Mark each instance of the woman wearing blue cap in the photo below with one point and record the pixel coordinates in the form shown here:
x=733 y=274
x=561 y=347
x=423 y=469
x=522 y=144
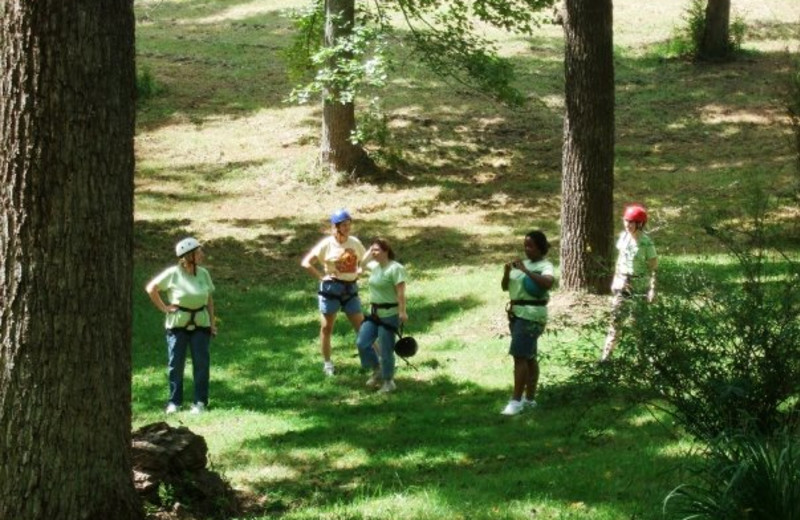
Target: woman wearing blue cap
x=339 y=256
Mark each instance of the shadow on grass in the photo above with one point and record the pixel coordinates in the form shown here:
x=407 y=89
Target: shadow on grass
x=445 y=440
x=687 y=134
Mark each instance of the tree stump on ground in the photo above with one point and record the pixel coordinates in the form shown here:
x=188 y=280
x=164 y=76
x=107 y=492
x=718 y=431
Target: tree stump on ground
x=169 y=471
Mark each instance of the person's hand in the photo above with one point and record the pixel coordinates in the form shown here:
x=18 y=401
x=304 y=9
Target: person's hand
x=213 y=330
x=169 y=309
x=403 y=317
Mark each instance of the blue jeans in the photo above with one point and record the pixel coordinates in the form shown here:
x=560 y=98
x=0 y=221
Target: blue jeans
x=199 y=342
x=367 y=334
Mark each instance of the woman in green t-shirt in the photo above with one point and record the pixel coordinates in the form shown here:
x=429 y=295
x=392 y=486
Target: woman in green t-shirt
x=387 y=294
x=189 y=321
x=528 y=282
x=634 y=273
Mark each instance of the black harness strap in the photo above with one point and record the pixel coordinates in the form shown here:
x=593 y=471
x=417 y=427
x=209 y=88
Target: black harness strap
x=343 y=298
x=510 y=305
x=191 y=324
x=537 y=303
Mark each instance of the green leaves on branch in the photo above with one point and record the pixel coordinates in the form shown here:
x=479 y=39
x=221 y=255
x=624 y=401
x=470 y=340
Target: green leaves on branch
x=357 y=61
x=442 y=33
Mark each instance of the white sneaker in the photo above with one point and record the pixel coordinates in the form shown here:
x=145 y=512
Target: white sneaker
x=171 y=408
x=198 y=408
x=529 y=403
x=513 y=408
x=374 y=380
x=327 y=369
x=388 y=386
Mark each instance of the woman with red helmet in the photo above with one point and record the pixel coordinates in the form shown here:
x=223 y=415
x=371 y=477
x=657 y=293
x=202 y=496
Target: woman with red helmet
x=635 y=270
x=339 y=256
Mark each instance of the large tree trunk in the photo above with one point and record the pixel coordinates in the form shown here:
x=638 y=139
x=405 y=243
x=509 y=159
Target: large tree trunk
x=716 y=38
x=67 y=87
x=337 y=151
x=588 y=155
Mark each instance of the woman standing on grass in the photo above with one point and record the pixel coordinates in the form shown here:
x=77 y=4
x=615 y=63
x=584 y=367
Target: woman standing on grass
x=528 y=282
x=387 y=294
x=635 y=271
x=340 y=256
x=189 y=321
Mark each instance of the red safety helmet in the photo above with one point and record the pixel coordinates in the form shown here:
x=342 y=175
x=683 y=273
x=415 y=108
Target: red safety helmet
x=635 y=213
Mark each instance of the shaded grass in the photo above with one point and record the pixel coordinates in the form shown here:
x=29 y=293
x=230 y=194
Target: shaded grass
x=222 y=157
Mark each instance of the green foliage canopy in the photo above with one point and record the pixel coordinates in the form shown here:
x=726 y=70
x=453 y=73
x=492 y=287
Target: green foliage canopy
x=445 y=34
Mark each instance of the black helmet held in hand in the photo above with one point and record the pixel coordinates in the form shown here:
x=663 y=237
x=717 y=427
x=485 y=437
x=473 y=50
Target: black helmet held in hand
x=405 y=347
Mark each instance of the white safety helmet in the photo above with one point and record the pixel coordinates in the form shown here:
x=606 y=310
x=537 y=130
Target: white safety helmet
x=187 y=245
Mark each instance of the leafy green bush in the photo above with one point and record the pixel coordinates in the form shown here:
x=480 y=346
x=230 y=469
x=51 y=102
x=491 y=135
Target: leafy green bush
x=146 y=86
x=686 y=40
x=748 y=477
x=722 y=348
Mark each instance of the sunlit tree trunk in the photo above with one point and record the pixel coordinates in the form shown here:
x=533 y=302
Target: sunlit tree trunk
x=716 y=34
x=588 y=154
x=67 y=86
x=337 y=152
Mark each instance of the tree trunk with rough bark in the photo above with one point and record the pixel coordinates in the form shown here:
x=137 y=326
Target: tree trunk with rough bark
x=337 y=152
x=588 y=154
x=67 y=88
x=716 y=35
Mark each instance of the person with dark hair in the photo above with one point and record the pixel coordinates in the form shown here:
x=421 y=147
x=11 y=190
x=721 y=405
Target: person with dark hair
x=387 y=292
x=528 y=282
x=634 y=273
x=340 y=257
x=189 y=321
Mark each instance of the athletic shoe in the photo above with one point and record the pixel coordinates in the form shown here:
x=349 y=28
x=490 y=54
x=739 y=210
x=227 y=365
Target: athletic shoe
x=198 y=408
x=388 y=386
x=513 y=408
x=328 y=369
x=529 y=403
x=171 y=408
x=374 y=380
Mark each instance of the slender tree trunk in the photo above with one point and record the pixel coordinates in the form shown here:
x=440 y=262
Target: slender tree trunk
x=588 y=155
x=67 y=87
x=337 y=152
x=716 y=37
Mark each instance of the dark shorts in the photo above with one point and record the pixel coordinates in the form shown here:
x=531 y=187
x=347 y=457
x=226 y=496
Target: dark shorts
x=524 y=338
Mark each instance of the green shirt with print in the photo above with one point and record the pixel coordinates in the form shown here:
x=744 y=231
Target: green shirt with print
x=516 y=291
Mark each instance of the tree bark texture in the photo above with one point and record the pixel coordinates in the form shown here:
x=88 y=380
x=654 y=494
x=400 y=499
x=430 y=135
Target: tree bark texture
x=588 y=155
x=338 y=119
x=716 y=35
x=67 y=88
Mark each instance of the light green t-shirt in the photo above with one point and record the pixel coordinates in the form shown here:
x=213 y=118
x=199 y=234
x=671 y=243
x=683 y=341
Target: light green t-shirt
x=340 y=260
x=187 y=290
x=633 y=256
x=516 y=291
x=382 y=284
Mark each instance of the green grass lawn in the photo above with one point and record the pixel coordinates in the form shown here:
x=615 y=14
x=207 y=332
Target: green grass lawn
x=221 y=156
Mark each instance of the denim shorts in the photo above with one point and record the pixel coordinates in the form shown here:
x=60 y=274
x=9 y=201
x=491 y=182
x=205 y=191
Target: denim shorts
x=338 y=296
x=524 y=338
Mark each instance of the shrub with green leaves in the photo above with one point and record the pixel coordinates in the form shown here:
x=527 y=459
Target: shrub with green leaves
x=686 y=40
x=721 y=347
x=746 y=476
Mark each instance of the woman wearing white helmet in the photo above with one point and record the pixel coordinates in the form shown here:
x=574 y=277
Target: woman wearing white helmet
x=339 y=256
x=189 y=321
x=635 y=270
